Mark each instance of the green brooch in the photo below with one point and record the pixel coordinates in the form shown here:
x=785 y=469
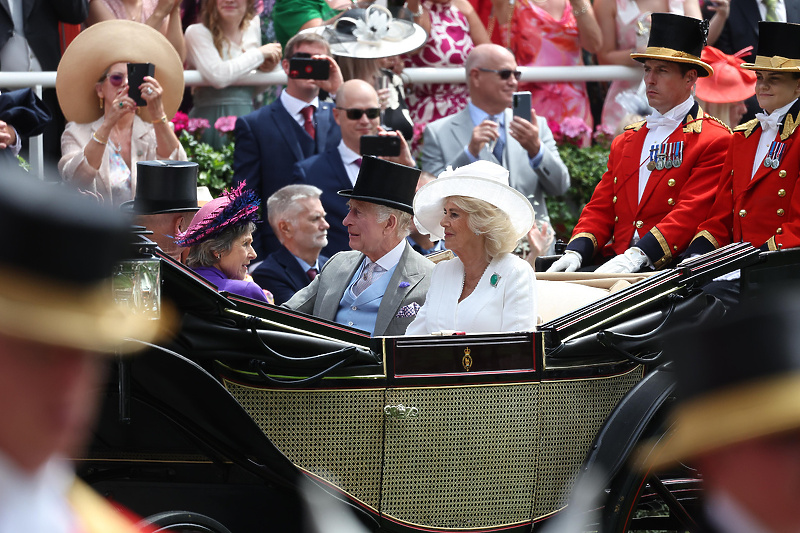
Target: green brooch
x=494 y=279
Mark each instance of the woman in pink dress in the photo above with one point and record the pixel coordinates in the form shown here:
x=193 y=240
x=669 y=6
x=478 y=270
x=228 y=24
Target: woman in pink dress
x=453 y=30
x=551 y=33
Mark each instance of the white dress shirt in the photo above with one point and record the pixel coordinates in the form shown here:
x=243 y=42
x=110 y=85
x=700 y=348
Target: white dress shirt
x=769 y=131
x=349 y=160
x=294 y=106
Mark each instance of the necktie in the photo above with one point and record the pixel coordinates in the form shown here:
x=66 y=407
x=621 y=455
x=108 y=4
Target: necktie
x=366 y=278
x=358 y=162
x=772 y=12
x=312 y=273
x=308 y=125
x=499 y=143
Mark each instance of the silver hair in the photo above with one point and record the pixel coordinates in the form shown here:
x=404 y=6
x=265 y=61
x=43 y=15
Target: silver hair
x=485 y=219
x=404 y=219
x=205 y=253
x=282 y=205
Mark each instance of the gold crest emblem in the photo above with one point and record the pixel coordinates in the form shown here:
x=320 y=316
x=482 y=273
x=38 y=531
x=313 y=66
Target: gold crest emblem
x=466 y=361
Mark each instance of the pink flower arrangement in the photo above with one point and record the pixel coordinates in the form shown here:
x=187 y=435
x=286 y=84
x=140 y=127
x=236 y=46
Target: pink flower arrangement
x=603 y=135
x=225 y=124
x=575 y=130
x=197 y=125
x=555 y=128
x=180 y=121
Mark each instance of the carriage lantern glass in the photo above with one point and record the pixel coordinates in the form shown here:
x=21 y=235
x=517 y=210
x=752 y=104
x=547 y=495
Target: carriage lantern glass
x=137 y=286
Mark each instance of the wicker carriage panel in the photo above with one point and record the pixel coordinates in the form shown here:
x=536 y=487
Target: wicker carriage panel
x=336 y=435
x=571 y=414
x=467 y=460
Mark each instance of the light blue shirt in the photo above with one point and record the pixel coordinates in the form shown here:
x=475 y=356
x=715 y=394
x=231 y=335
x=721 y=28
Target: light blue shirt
x=478 y=115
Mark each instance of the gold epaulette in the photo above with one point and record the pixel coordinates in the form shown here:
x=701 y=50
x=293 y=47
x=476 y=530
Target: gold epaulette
x=718 y=121
x=747 y=127
x=789 y=125
x=636 y=126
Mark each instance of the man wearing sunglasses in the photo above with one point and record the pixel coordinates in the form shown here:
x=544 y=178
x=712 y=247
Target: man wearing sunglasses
x=357 y=113
x=294 y=127
x=486 y=129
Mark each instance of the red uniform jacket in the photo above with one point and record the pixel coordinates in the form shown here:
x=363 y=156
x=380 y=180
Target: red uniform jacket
x=764 y=210
x=675 y=201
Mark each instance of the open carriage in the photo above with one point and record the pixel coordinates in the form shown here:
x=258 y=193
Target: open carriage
x=222 y=427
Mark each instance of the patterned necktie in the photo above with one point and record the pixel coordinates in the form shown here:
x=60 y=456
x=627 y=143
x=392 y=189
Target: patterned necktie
x=499 y=143
x=366 y=278
x=772 y=12
x=308 y=125
x=312 y=273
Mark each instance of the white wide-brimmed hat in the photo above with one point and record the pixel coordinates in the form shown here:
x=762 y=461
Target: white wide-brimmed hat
x=371 y=33
x=482 y=180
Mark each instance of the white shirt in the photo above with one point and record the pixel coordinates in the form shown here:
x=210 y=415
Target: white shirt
x=36 y=503
x=235 y=60
x=387 y=262
x=294 y=106
x=780 y=10
x=349 y=159
x=768 y=135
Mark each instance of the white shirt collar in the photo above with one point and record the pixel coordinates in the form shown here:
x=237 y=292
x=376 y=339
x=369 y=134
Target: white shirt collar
x=390 y=260
x=348 y=156
x=783 y=110
x=294 y=106
x=679 y=111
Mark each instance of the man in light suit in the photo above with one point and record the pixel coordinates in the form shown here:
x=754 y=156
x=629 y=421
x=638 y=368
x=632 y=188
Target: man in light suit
x=298 y=219
x=379 y=285
x=486 y=129
x=271 y=140
x=338 y=167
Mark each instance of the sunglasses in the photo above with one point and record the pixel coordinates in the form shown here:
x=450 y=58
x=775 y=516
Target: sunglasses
x=116 y=79
x=504 y=74
x=355 y=114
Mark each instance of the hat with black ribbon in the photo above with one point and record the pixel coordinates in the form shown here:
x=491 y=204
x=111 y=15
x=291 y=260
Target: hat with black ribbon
x=385 y=183
x=778 y=48
x=678 y=39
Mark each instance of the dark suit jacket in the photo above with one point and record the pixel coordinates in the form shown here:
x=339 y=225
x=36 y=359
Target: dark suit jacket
x=741 y=28
x=268 y=144
x=41 y=20
x=327 y=172
x=282 y=275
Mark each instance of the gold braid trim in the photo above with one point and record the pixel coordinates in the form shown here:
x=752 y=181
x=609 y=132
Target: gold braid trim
x=772 y=245
x=705 y=234
x=636 y=126
x=588 y=236
x=664 y=248
x=789 y=125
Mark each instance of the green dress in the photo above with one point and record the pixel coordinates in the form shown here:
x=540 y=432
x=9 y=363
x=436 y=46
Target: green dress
x=288 y=16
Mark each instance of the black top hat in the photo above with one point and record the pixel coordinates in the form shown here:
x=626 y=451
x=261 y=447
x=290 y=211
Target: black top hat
x=385 y=183
x=778 y=47
x=738 y=379
x=676 y=38
x=164 y=187
x=64 y=300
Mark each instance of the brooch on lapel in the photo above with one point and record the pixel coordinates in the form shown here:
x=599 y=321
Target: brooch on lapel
x=495 y=279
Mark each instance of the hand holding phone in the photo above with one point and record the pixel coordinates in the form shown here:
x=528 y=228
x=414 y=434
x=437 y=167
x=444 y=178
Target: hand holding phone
x=380 y=145
x=136 y=74
x=521 y=105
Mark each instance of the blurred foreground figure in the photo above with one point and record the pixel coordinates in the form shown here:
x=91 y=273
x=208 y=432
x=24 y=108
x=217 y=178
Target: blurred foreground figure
x=57 y=319
x=738 y=416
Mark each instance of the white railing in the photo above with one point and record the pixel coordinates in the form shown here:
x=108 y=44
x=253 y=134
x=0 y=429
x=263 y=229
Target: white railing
x=39 y=80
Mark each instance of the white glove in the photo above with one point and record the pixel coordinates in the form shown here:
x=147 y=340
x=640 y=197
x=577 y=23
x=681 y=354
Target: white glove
x=631 y=261
x=569 y=262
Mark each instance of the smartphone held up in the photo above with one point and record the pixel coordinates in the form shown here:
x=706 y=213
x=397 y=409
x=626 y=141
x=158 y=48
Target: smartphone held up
x=136 y=74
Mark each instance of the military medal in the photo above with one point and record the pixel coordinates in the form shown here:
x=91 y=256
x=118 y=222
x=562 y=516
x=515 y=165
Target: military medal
x=776 y=159
x=768 y=158
x=668 y=158
x=651 y=164
x=676 y=162
x=660 y=159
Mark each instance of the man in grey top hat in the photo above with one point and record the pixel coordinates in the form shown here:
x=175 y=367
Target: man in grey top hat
x=165 y=201
x=379 y=285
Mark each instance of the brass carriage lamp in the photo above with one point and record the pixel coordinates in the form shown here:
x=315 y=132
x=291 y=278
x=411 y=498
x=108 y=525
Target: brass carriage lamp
x=136 y=282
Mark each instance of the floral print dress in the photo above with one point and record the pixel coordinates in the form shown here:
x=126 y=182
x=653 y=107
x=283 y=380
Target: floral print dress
x=448 y=45
x=537 y=39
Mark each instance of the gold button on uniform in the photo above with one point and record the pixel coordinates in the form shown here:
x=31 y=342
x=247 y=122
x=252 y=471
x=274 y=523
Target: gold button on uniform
x=639 y=224
x=779 y=231
x=671 y=182
x=782 y=193
x=616 y=219
x=615 y=179
x=780 y=212
x=675 y=247
x=782 y=173
x=671 y=201
x=742 y=213
x=614 y=200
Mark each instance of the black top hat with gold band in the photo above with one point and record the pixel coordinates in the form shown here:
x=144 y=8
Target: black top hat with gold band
x=737 y=380
x=385 y=183
x=677 y=38
x=778 y=48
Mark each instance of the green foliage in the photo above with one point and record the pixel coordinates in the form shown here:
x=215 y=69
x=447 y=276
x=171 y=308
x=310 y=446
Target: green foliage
x=586 y=167
x=216 y=166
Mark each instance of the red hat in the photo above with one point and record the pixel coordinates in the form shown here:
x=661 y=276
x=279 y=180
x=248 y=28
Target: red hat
x=730 y=82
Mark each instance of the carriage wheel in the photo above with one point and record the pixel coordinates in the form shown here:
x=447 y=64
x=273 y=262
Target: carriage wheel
x=182 y=522
x=640 y=500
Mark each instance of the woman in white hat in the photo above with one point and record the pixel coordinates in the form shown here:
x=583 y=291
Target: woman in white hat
x=485 y=288
x=107 y=133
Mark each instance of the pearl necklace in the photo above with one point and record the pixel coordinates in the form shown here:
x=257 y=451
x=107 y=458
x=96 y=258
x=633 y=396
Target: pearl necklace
x=464 y=279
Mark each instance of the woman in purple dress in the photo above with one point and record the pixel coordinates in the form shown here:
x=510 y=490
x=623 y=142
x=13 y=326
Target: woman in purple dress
x=220 y=241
